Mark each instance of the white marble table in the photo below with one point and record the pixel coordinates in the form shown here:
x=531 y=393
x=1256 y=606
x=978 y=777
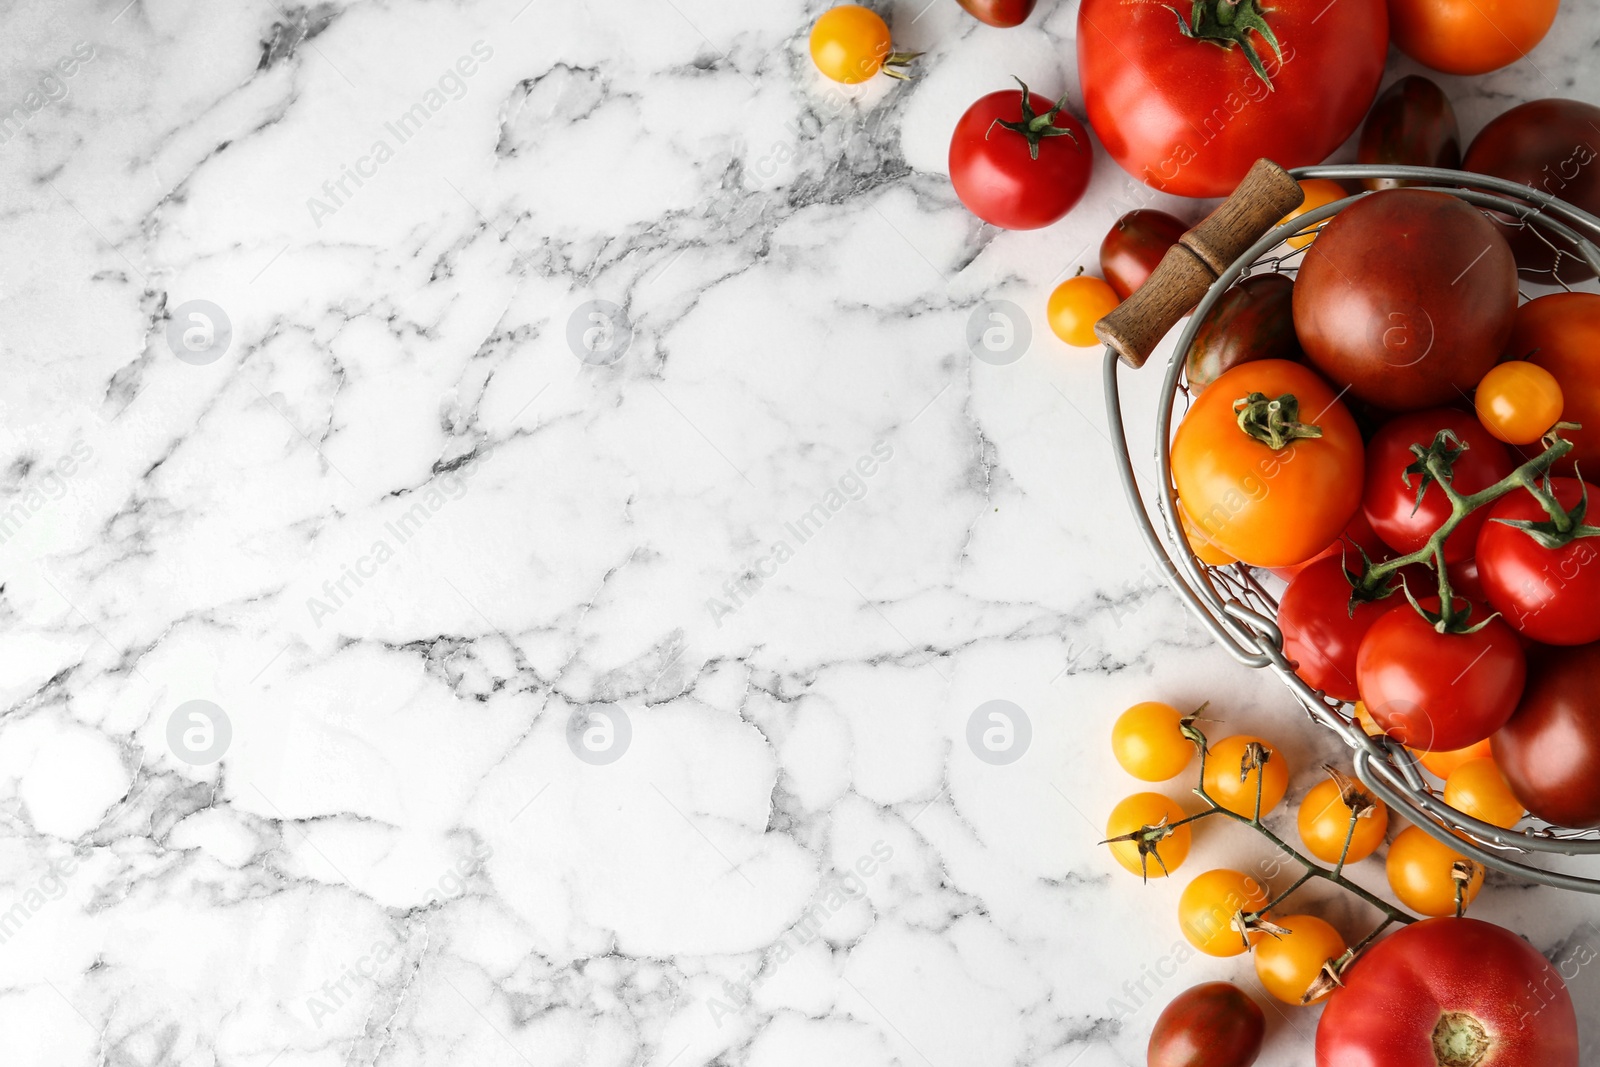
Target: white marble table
x=401 y=542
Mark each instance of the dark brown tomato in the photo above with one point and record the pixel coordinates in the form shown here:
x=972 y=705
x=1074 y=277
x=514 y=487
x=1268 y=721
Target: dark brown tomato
x=1210 y=1025
x=1253 y=320
x=1554 y=146
x=1411 y=124
x=1407 y=297
x=1002 y=13
x=1550 y=750
x=1134 y=246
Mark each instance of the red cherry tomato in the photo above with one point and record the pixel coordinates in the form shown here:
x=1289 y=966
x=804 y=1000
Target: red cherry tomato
x=1320 y=632
x=1549 y=594
x=1433 y=691
x=1133 y=247
x=1390 y=504
x=1471 y=987
x=1019 y=164
x=1002 y=13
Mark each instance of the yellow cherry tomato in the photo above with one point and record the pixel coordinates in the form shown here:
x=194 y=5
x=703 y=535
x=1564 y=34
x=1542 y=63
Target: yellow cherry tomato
x=1137 y=812
x=1319 y=192
x=1368 y=723
x=1518 y=402
x=1223 y=782
x=1443 y=763
x=1420 y=873
x=1076 y=305
x=1210 y=903
x=849 y=43
x=1289 y=963
x=1325 y=820
x=1148 y=742
x=1478 y=788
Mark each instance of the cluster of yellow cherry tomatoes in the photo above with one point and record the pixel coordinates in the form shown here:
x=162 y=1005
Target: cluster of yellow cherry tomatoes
x=1151 y=743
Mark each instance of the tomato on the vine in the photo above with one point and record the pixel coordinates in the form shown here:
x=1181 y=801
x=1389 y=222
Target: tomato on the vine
x=1211 y=1025
x=1325 y=819
x=1148 y=741
x=1422 y=872
x=1018 y=160
x=1133 y=814
x=1134 y=246
x=1550 y=594
x=1469 y=987
x=1295 y=80
x=1322 y=629
x=1518 y=402
x=1076 y=305
x=1288 y=964
x=1478 y=788
x=1394 y=500
x=1264 y=486
x=1210 y=904
x=1433 y=690
x=1235 y=765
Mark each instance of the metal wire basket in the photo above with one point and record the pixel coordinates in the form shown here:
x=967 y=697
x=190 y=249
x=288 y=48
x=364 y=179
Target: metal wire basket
x=1234 y=604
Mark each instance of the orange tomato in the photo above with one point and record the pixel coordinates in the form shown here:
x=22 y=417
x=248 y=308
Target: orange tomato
x=1207 y=908
x=1236 y=791
x=1444 y=762
x=1469 y=36
x=1324 y=821
x=1319 y=192
x=1561 y=333
x=1479 y=789
x=1266 y=506
x=850 y=43
x=1148 y=741
x=1076 y=305
x=1518 y=402
x=1133 y=814
x=1420 y=873
x=1289 y=963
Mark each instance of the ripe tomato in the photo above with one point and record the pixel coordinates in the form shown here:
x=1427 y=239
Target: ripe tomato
x=1549 y=594
x=1209 y=905
x=1550 y=145
x=1443 y=763
x=1469 y=36
x=850 y=44
x=1431 y=690
x=1253 y=320
x=1232 y=786
x=1200 y=544
x=1002 y=13
x=1322 y=631
x=1407 y=296
x=1289 y=963
x=1134 y=245
x=1148 y=742
x=1358 y=534
x=1550 y=750
x=1319 y=192
x=1268 y=506
x=1459 y=984
x=1561 y=333
x=1076 y=305
x=1518 y=402
x=1142 y=71
x=1018 y=161
x=1478 y=788
x=1210 y=1025
x=1324 y=822
x=1135 y=813
x=1389 y=499
x=1422 y=873
x=1412 y=124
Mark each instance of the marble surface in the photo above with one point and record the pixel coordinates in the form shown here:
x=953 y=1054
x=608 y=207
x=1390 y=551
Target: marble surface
x=592 y=711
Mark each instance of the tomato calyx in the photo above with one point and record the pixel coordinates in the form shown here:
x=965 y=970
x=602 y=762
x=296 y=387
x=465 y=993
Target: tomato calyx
x=1036 y=127
x=1459 y=1040
x=1228 y=23
x=1148 y=839
x=1564 y=525
x=896 y=65
x=1273 y=422
x=1436 y=463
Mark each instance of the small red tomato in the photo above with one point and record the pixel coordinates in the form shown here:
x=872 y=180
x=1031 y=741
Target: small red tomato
x=1134 y=245
x=1549 y=594
x=1320 y=631
x=1449 y=991
x=1018 y=161
x=1390 y=497
x=1002 y=13
x=1432 y=690
x=1210 y=1025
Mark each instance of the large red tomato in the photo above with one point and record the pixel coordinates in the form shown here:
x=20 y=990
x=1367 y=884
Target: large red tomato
x=1178 y=103
x=1389 y=499
x=1550 y=750
x=1019 y=163
x=1549 y=594
x=1449 y=992
x=1431 y=690
x=1321 y=631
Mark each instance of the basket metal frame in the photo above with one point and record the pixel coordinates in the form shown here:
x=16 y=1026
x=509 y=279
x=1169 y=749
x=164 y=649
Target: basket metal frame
x=1239 y=612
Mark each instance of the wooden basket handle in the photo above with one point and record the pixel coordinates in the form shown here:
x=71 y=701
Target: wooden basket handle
x=1191 y=266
